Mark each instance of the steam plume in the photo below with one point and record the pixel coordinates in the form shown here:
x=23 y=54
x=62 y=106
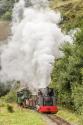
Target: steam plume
x=34 y=44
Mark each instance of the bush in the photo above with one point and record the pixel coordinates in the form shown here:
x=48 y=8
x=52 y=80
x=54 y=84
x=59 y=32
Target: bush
x=10 y=108
x=6 y=16
x=10 y=97
x=4 y=88
x=77 y=95
x=68 y=74
x=6 y=9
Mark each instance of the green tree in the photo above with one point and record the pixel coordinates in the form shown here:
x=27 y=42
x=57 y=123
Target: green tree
x=67 y=76
x=6 y=9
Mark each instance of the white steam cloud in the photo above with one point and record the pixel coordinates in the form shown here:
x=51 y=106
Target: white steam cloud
x=34 y=44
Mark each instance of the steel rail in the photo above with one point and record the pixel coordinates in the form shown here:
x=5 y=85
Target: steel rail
x=58 y=120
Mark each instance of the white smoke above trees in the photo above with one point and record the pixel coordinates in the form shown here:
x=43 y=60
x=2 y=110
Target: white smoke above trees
x=34 y=45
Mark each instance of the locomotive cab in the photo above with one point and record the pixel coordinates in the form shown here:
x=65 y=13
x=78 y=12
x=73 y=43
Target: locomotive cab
x=47 y=101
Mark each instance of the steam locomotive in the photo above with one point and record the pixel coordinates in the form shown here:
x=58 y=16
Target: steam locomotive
x=44 y=101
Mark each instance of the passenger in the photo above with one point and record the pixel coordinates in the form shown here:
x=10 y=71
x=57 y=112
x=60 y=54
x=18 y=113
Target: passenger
x=50 y=91
x=40 y=93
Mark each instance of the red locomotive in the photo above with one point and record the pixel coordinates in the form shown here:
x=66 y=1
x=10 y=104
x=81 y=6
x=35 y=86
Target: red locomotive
x=44 y=101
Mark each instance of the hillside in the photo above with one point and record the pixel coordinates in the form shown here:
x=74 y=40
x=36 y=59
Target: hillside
x=4 y=30
x=72 y=12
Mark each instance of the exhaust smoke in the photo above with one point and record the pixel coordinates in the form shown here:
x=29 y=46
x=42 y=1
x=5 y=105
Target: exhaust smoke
x=34 y=45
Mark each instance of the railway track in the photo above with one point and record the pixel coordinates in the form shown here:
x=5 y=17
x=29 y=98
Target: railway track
x=57 y=120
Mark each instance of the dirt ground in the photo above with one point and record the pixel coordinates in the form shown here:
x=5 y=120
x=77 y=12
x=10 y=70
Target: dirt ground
x=4 y=30
x=48 y=121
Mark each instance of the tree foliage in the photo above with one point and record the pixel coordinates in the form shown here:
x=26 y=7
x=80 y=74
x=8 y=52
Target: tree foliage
x=67 y=76
x=4 y=88
x=6 y=9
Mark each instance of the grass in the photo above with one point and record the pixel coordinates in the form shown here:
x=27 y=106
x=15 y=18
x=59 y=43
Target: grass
x=59 y=3
x=70 y=116
x=20 y=116
x=72 y=13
